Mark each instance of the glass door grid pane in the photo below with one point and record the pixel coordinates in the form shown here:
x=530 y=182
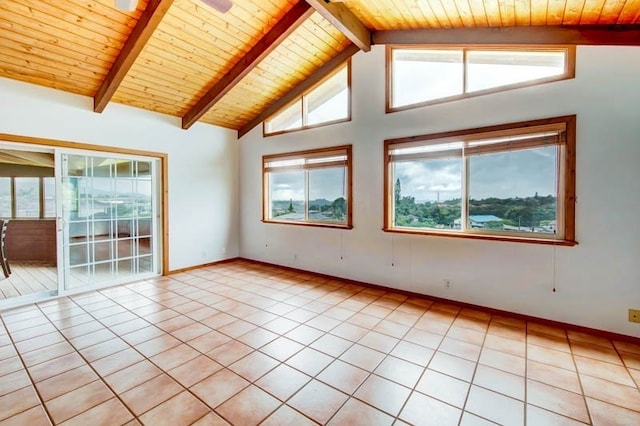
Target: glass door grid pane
x=109 y=211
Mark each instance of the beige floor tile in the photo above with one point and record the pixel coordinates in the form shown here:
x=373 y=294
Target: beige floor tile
x=444 y=388
x=78 y=401
x=495 y=407
x=287 y=416
x=247 y=340
x=383 y=394
x=219 y=387
x=182 y=409
x=356 y=412
x=66 y=382
x=421 y=409
x=250 y=406
x=151 y=393
x=318 y=401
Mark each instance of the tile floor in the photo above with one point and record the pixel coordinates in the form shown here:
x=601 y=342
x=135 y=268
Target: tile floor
x=244 y=343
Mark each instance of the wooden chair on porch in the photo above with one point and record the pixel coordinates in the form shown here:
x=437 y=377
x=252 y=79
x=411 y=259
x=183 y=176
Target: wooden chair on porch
x=3 y=248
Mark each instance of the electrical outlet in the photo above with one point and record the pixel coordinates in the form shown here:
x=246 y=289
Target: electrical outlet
x=295 y=256
x=447 y=283
x=634 y=315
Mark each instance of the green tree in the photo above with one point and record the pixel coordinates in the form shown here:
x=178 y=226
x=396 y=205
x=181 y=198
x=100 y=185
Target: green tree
x=291 y=209
x=435 y=214
x=520 y=215
x=496 y=224
x=398 y=191
x=339 y=208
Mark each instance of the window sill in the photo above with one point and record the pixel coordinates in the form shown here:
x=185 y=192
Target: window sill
x=474 y=236
x=312 y=224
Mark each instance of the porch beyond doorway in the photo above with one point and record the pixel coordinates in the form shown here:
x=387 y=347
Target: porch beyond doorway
x=29 y=277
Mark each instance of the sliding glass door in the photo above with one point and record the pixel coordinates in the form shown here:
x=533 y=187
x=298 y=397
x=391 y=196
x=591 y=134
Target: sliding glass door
x=108 y=219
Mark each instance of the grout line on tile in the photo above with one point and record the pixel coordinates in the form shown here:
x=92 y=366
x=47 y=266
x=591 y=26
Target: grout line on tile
x=26 y=370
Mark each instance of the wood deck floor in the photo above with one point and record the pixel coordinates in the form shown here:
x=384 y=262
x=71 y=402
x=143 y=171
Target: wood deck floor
x=28 y=278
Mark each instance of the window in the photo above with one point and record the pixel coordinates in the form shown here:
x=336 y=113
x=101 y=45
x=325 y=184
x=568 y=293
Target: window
x=509 y=182
x=27 y=193
x=422 y=76
x=327 y=103
x=308 y=187
x=27 y=197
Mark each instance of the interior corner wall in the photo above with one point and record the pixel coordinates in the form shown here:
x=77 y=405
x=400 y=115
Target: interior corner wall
x=597 y=281
x=203 y=171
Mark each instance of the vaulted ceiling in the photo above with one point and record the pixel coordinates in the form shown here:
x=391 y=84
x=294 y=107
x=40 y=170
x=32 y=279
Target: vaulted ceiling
x=233 y=69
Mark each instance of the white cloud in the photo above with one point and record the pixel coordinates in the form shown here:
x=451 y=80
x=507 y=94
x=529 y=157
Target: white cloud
x=510 y=174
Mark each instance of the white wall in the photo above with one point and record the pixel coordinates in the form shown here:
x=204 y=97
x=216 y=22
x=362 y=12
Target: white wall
x=203 y=179
x=596 y=281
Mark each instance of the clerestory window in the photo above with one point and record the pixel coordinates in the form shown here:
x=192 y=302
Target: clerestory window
x=327 y=103
x=418 y=76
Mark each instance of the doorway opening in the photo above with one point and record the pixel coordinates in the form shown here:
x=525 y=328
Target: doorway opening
x=28 y=209
x=78 y=219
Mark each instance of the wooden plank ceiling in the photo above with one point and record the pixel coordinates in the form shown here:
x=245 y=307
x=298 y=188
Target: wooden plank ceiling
x=421 y=14
x=186 y=59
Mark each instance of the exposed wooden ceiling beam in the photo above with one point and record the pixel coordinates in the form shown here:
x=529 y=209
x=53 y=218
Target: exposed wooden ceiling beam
x=344 y=20
x=147 y=24
x=543 y=35
x=306 y=84
x=288 y=24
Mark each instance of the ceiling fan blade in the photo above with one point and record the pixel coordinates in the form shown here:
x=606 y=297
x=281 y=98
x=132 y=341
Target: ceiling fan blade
x=221 y=6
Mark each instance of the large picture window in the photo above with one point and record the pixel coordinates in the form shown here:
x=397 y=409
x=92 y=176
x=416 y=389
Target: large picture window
x=514 y=182
x=308 y=187
x=420 y=76
x=328 y=102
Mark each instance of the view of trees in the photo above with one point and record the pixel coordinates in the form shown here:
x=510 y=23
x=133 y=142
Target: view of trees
x=320 y=209
x=533 y=212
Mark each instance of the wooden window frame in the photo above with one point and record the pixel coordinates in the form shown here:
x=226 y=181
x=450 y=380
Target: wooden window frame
x=320 y=152
x=302 y=100
x=566 y=181
x=569 y=72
